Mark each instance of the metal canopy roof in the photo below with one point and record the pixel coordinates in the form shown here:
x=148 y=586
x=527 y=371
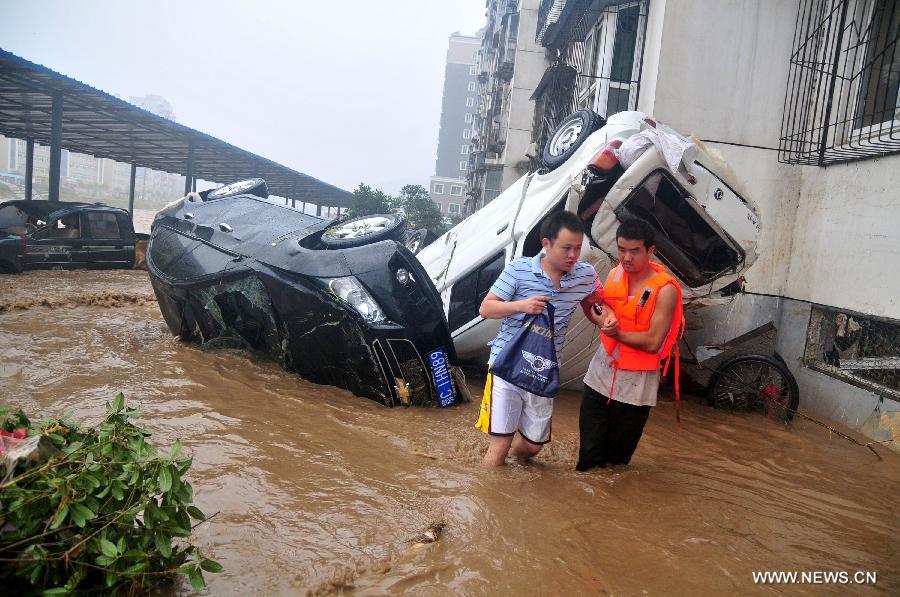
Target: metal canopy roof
x=97 y=123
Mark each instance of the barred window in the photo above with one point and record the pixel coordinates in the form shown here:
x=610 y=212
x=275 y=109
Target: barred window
x=858 y=349
x=842 y=99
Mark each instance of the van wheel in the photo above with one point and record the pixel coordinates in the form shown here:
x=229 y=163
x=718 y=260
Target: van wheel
x=568 y=136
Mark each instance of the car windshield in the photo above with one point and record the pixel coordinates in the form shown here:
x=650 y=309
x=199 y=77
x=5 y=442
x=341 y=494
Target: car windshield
x=685 y=242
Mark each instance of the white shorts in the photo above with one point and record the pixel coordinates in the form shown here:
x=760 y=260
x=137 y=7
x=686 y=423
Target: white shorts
x=513 y=409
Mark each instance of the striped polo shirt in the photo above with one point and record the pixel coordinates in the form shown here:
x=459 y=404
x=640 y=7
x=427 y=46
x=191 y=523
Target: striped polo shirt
x=523 y=277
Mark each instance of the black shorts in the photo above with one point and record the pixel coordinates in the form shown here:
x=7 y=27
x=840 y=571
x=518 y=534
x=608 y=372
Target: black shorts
x=610 y=431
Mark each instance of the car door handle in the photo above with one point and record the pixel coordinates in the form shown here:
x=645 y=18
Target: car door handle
x=225 y=227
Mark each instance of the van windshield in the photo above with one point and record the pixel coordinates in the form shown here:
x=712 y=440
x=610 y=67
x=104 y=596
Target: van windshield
x=685 y=242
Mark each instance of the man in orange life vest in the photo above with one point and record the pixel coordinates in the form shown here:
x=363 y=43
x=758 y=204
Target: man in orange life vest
x=622 y=380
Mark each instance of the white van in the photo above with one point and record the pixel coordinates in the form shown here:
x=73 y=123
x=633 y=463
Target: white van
x=604 y=171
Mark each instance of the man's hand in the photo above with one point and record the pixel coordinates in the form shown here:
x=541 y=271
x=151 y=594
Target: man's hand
x=597 y=313
x=610 y=326
x=493 y=307
x=533 y=305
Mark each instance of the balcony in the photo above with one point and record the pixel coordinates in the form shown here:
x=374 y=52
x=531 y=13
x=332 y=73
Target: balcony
x=476 y=161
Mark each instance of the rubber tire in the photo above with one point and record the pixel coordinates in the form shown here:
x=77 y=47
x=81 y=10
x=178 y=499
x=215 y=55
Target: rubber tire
x=776 y=362
x=260 y=189
x=590 y=122
x=394 y=231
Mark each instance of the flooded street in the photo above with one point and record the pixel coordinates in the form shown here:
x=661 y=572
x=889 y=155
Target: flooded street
x=320 y=491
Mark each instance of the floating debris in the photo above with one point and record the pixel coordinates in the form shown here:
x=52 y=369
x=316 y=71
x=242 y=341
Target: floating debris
x=431 y=534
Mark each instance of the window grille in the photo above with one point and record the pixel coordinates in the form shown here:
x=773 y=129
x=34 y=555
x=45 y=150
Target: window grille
x=858 y=349
x=842 y=102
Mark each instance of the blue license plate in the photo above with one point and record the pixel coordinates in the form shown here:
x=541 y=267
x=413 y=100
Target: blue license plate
x=440 y=372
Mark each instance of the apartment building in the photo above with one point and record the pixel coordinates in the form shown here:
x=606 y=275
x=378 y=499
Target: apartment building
x=510 y=66
x=448 y=185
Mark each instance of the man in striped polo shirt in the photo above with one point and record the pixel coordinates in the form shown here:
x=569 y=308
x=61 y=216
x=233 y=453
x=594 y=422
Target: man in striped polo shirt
x=524 y=288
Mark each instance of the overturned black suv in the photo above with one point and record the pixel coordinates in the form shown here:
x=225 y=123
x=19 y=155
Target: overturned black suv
x=340 y=303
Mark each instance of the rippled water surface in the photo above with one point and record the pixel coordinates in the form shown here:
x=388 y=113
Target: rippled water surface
x=320 y=491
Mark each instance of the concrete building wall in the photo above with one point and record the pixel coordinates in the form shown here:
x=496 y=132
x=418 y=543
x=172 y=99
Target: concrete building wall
x=531 y=62
x=733 y=94
x=845 y=237
x=650 y=66
x=719 y=69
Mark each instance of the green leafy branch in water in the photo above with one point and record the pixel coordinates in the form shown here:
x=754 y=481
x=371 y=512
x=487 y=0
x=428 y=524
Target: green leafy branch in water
x=94 y=509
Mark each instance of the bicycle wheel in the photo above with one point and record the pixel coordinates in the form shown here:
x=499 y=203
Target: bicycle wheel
x=755 y=382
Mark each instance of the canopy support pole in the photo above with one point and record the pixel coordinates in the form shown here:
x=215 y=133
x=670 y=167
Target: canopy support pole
x=189 y=173
x=29 y=168
x=55 y=145
x=131 y=190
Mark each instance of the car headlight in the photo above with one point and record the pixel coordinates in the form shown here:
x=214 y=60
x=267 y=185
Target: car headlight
x=350 y=291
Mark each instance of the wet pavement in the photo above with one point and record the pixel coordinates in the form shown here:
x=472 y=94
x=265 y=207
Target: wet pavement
x=319 y=491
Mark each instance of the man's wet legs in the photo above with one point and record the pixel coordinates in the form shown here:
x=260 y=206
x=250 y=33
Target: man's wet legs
x=594 y=420
x=499 y=448
x=524 y=449
x=497 y=451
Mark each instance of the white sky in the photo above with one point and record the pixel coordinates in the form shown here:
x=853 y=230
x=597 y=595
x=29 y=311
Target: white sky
x=345 y=91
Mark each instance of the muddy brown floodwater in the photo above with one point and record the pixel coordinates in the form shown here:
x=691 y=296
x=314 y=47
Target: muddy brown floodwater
x=320 y=491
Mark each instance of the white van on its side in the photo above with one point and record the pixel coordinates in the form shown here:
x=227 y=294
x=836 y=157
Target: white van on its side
x=629 y=166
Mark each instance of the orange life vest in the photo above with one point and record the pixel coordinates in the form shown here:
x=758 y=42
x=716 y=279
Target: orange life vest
x=634 y=316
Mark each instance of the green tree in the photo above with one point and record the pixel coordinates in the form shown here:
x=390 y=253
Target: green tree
x=367 y=201
x=420 y=210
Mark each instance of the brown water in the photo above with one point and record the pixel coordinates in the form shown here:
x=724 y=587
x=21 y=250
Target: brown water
x=320 y=491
